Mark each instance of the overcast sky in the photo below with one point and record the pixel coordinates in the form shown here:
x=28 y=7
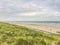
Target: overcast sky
x=29 y=10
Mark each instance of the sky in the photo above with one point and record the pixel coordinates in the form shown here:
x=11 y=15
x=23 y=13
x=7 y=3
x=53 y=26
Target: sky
x=29 y=10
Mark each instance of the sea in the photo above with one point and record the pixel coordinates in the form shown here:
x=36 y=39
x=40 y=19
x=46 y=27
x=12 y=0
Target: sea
x=50 y=23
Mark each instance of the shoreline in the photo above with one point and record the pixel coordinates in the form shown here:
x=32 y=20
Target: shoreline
x=40 y=27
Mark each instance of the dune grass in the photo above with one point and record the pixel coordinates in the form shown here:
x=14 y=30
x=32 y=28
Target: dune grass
x=18 y=35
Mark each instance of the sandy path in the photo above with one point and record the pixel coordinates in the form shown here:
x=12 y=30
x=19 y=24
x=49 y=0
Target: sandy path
x=44 y=28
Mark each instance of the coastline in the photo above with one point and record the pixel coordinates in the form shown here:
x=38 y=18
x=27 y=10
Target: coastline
x=40 y=27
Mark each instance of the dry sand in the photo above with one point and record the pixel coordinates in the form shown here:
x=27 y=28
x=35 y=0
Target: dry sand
x=44 y=28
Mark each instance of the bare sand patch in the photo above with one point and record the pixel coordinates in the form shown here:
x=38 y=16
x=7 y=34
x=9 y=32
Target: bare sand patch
x=44 y=28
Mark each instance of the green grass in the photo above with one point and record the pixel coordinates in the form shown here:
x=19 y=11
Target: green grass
x=18 y=35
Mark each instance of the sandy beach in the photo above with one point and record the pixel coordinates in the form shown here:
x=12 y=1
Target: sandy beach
x=43 y=28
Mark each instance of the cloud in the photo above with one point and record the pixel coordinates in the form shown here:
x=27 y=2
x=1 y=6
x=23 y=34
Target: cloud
x=19 y=9
x=28 y=14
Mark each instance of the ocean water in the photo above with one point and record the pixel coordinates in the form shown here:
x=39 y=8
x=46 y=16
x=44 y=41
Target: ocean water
x=50 y=23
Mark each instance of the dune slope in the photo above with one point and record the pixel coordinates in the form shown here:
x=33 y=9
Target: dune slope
x=11 y=34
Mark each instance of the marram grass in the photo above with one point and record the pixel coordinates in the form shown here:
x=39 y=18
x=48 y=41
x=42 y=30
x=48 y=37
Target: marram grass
x=18 y=35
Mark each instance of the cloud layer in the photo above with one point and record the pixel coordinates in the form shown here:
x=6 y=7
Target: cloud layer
x=29 y=10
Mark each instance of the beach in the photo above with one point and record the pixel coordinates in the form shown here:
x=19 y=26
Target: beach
x=27 y=34
x=40 y=27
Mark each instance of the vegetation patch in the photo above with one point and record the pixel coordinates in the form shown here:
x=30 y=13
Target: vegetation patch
x=18 y=35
